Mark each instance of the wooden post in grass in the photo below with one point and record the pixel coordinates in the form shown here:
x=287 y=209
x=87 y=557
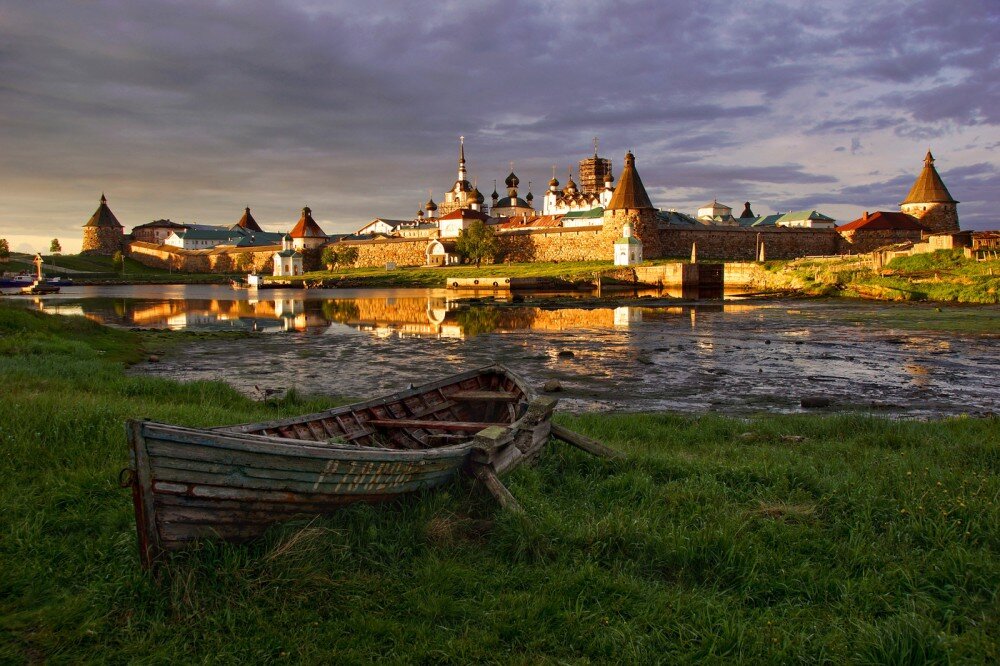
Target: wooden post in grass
x=591 y=446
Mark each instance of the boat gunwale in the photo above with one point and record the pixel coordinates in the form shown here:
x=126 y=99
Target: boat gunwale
x=298 y=448
x=497 y=368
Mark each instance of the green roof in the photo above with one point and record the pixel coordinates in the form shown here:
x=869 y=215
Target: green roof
x=628 y=240
x=208 y=234
x=585 y=214
x=796 y=215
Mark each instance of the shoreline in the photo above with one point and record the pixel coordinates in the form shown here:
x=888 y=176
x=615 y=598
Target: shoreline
x=707 y=519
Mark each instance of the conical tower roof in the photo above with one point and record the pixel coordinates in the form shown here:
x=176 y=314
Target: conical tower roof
x=247 y=221
x=630 y=192
x=306 y=227
x=929 y=187
x=103 y=217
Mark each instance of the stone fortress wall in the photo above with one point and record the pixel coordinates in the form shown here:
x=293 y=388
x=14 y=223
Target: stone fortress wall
x=216 y=260
x=102 y=241
x=557 y=244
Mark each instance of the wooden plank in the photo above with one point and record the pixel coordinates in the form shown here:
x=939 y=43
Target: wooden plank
x=290 y=448
x=585 y=443
x=490 y=481
x=431 y=425
x=142 y=494
x=359 y=482
x=486 y=396
x=173 y=469
x=266 y=460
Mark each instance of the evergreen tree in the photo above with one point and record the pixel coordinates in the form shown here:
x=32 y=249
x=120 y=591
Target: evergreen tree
x=55 y=247
x=4 y=249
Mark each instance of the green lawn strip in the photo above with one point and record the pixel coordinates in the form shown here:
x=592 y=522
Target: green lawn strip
x=438 y=277
x=942 y=276
x=868 y=540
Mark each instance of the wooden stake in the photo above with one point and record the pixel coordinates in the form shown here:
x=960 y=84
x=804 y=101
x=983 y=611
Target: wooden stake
x=591 y=446
x=489 y=479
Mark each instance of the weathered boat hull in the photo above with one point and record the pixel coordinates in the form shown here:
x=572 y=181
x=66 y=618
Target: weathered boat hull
x=235 y=482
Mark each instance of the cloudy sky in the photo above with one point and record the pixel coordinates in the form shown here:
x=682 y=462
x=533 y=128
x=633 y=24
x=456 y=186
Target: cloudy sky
x=192 y=109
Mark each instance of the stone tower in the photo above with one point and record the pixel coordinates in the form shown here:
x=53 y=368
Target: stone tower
x=103 y=233
x=930 y=201
x=631 y=205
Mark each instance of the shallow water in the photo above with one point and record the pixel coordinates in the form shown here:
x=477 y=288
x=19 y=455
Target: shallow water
x=727 y=356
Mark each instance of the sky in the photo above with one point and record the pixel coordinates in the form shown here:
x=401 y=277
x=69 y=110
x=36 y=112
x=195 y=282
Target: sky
x=192 y=109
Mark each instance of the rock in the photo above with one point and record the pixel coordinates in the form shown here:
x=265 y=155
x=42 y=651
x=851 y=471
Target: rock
x=153 y=358
x=793 y=438
x=748 y=436
x=645 y=360
x=767 y=342
x=815 y=402
x=552 y=386
x=565 y=353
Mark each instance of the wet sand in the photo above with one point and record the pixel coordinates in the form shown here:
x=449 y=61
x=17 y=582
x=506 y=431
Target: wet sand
x=734 y=358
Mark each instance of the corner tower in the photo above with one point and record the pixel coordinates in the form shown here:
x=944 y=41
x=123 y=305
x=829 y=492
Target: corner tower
x=631 y=205
x=930 y=201
x=103 y=233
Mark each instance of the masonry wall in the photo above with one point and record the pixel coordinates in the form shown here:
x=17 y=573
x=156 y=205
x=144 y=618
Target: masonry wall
x=379 y=252
x=936 y=217
x=864 y=241
x=736 y=243
x=203 y=261
x=102 y=240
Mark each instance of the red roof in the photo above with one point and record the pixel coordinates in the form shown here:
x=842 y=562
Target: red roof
x=465 y=214
x=883 y=220
x=306 y=227
x=536 y=222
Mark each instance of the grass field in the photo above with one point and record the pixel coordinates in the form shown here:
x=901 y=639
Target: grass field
x=775 y=539
x=942 y=276
x=85 y=268
x=438 y=277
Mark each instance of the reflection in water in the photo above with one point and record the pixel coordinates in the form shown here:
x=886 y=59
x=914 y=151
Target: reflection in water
x=401 y=316
x=731 y=356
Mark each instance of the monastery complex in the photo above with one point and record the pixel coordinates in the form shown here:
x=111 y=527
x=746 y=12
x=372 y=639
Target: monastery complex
x=604 y=217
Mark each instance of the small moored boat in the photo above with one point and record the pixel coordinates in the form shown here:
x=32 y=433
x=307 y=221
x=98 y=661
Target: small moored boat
x=235 y=482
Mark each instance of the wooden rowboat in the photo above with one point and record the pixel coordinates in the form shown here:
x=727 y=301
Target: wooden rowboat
x=234 y=482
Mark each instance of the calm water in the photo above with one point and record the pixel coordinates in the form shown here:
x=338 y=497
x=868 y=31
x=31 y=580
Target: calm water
x=729 y=356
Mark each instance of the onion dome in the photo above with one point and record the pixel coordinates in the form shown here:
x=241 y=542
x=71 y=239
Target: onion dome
x=570 y=185
x=554 y=182
x=478 y=195
x=430 y=205
x=512 y=180
x=495 y=195
x=420 y=213
x=529 y=197
x=608 y=178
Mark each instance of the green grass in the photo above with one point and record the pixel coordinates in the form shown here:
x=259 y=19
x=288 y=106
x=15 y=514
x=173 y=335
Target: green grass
x=779 y=539
x=97 y=264
x=943 y=276
x=438 y=277
x=100 y=270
